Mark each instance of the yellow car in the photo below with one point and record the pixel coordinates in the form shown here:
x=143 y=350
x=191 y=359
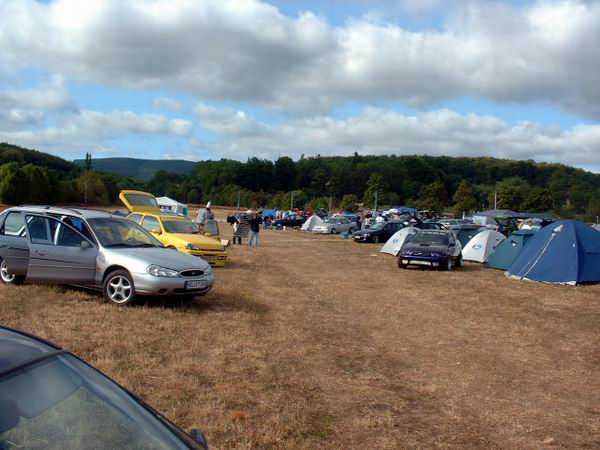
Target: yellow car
x=172 y=230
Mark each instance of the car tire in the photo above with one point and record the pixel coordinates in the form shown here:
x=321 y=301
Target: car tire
x=9 y=278
x=333 y=231
x=351 y=231
x=375 y=239
x=118 y=288
x=459 y=261
x=400 y=265
x=448 y=267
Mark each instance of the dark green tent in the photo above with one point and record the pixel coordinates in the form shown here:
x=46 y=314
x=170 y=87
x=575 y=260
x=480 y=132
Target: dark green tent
x=507 y=251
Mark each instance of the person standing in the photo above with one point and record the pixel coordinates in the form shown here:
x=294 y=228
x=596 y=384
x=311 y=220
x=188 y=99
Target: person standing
x=254 y=221
x=204 y=215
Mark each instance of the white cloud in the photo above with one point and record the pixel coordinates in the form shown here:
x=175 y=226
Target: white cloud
x=95 y=129
x=167 y=103
x=380 y=131
x=51 y=95
x=246 y=50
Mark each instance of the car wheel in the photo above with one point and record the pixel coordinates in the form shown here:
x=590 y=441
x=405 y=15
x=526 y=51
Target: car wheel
x=400 y=265
x=459 y=261
x=449 y=265
x=9 y=278
x=351 y=231
x=333 y=231
x=375 y=239
x=171 y=247
x=118 y=288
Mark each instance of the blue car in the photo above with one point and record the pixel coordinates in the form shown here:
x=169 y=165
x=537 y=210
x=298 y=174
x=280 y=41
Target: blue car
x=51 y=399
x=431 y=248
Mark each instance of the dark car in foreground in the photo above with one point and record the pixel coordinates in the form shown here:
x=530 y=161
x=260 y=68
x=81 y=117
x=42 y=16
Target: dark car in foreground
x=431 y=248
x=292 y=220
x=51 y=399
x=378 y=232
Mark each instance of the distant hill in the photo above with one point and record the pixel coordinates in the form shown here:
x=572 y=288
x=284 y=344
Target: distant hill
x=9 y=152
x=142 y=169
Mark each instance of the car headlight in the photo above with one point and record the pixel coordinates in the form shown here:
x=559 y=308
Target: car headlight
x=159 y=271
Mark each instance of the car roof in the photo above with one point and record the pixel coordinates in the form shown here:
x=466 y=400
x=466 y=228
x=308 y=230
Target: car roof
x=18 y=347
x=85 y=213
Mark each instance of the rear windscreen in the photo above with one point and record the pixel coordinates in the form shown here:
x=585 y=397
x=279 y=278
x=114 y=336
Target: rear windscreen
x=141 y=200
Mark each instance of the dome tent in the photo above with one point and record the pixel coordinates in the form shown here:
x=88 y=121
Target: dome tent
x=509 y=249
x=395 y=242
x=482 y=245
x=566 y=252
x=311 y=222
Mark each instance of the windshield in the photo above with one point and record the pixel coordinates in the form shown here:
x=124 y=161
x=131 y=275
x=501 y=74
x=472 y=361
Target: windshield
x=377 y=226
x=112 y=232
x=62 y=403
x=180 y=226
x=429 y=238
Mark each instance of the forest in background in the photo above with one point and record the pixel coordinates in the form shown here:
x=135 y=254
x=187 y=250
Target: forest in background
x=436 y=183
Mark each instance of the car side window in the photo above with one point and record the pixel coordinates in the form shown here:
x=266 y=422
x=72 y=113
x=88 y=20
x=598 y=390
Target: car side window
x=135 y=217
x=13 y=225
x=41 y=229
x=150 y=223
x=79 y=225
x=68 y=237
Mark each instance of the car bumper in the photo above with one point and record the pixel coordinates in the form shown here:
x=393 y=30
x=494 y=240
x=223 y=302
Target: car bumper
x=146 y=284
x=424 y=261
x=214 y=258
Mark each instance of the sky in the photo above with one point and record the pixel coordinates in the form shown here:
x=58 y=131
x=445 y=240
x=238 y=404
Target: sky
x=205 y=79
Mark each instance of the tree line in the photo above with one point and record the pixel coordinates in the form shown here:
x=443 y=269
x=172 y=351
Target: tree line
x=435 y=183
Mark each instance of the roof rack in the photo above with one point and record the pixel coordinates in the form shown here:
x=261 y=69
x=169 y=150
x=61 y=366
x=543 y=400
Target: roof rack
x=95 y=209
x=50 y=206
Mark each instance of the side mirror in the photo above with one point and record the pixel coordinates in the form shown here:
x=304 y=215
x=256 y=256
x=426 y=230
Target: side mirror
x=156 y=231
x=85 y=244
x=199 y=438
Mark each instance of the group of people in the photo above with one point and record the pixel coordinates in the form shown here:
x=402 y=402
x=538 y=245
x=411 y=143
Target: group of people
x=244 y=225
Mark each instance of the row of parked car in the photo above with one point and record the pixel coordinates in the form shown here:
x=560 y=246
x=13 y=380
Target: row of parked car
x=146 y=253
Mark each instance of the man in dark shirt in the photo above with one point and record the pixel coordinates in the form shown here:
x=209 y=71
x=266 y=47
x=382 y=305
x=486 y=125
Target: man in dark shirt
x=254 y=221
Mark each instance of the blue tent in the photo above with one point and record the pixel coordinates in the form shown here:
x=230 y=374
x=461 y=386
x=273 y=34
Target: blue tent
x=508 y=250
x=566 y=252
x=269 y=213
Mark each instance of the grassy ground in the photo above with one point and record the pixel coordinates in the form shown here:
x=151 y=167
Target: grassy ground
x=315 y=342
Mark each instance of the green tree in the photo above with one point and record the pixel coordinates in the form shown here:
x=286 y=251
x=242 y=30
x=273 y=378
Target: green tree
x=88 y=161
x=377 y=191
x=284 y=174
x=13 y=184
x=319 y=203
x=91 y=189
x=349 y=203
x=464 y=199
x=511 y=193
x=41 y=185
x=538 y=200
x=432 y=197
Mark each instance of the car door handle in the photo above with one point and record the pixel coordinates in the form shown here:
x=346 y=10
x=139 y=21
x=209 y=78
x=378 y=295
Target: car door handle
x=37 y=252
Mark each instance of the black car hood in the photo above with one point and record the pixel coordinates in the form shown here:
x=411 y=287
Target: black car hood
x=367 y=231
x=425 y=248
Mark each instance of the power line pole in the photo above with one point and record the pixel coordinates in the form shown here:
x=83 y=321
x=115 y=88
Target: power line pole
x=292 y=201
x=375 y=207
x=238 y=202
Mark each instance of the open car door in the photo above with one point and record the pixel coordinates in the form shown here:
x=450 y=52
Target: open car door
x=139 y=202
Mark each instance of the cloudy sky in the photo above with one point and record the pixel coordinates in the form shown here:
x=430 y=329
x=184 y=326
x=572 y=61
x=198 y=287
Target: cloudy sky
x=200 y=79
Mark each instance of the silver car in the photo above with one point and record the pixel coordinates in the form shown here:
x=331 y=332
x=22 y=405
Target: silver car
x=335 y=225
x=96 y=249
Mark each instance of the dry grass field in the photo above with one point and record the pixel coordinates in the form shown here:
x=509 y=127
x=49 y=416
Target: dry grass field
x=314 y=342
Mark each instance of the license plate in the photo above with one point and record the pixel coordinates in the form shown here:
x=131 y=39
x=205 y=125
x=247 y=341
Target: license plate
x=421 y=263
x=208 y=257
x=195 y=284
